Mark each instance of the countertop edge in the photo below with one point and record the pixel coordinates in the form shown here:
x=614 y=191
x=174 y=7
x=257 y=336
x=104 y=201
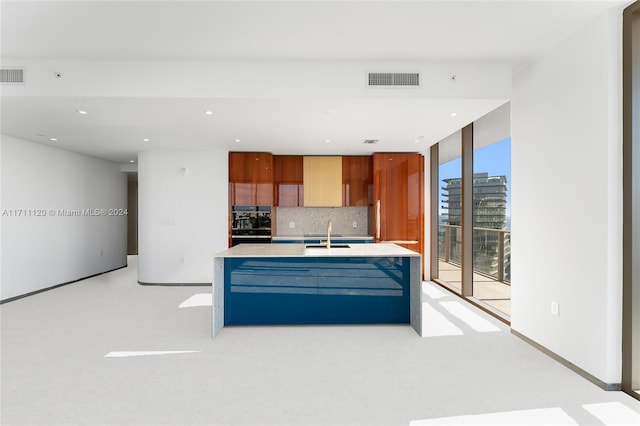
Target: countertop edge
x=303 y=237
x=299 y=250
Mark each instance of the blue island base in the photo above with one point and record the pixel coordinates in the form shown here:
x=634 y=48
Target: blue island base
x=317 y=290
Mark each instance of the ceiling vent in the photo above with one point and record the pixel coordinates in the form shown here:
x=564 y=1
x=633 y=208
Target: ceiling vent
x=394 y=79
x=15 y=75
x=370 y=141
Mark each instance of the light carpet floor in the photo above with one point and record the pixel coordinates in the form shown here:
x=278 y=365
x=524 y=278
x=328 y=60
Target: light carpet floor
x=107 y=351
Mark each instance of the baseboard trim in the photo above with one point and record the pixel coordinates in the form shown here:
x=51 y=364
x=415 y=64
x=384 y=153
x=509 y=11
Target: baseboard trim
x=53 y=287
x=176 y=284
x=569 y=364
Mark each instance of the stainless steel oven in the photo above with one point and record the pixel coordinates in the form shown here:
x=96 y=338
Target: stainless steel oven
x=251 y=224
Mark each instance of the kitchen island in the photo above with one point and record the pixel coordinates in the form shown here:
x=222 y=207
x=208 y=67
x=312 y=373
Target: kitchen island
x=269 y=284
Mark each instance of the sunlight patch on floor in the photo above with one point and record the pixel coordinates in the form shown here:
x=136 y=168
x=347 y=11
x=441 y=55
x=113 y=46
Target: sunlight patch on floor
x=434 y=324
x=472 y=319
x=124 y=354
x=433 y=292
x=613 y=413
x=200 y=299
x=542 y=416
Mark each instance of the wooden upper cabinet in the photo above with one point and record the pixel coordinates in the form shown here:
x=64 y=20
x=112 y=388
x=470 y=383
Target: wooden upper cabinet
x=322 y=181
x=357 y=181
x=288 y=188
x=398 y=208
x=250 y=178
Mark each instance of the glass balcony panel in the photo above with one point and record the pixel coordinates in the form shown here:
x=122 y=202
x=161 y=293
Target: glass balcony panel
x=450 y=215
x=491 y=225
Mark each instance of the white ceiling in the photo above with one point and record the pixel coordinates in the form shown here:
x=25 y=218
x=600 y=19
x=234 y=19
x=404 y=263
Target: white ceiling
x=46 y=34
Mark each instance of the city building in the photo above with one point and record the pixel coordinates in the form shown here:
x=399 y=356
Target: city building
x=489 y=198
x=489 y=213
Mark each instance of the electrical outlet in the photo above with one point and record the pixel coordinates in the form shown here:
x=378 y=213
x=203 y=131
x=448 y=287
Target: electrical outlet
x=292 y=225
x=100 y=253
x=355 y=225
x=555 y=308
x=183 y=259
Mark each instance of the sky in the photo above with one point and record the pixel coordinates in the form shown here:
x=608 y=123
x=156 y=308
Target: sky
x=494 y=159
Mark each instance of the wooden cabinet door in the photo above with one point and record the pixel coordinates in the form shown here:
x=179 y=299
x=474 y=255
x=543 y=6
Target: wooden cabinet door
x=239 y=186
x=399 y=199
x=288 y=189
x=250 y=179
x=322 y=181
x=263 y=178
x=357 y=180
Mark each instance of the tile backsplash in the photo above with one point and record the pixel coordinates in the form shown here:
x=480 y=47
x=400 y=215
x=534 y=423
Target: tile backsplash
x=313 y=220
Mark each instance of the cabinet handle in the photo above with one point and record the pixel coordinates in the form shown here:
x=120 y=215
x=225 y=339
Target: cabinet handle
x=378 y=219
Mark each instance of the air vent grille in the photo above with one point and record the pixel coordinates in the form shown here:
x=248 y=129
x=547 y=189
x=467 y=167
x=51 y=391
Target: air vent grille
x=12 y=75
x=402 y=79
x=370 y=141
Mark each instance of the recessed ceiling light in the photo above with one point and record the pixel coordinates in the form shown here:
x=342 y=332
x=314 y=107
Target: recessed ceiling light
x=53 y=139
x=416 y=141
x=237 y=140
x=208 y=112
x=453 y=114
x=82 y=112
x=146 y=139
x=327 y=141
x=132 y=161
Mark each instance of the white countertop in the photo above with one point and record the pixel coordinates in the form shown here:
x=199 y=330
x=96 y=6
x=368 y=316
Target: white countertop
x=299 y=250
x=324 y=237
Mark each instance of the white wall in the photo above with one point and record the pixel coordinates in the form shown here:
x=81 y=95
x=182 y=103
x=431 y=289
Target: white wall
x=256 y=79
x=40 y=252
x=492 y=127
x=450 y=147
x=567 y=200
x=182 y=219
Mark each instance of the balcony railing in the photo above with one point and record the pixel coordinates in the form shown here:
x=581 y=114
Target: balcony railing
x=491 y=250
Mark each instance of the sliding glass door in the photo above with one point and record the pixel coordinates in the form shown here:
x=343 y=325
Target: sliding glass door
x=492 y=224
x=449 y=191
x=471 y=212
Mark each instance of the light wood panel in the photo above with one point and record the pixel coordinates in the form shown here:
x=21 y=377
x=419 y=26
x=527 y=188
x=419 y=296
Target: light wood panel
x=322 y=181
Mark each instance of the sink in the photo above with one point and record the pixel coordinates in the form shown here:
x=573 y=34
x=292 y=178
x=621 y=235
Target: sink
x=323 y=246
